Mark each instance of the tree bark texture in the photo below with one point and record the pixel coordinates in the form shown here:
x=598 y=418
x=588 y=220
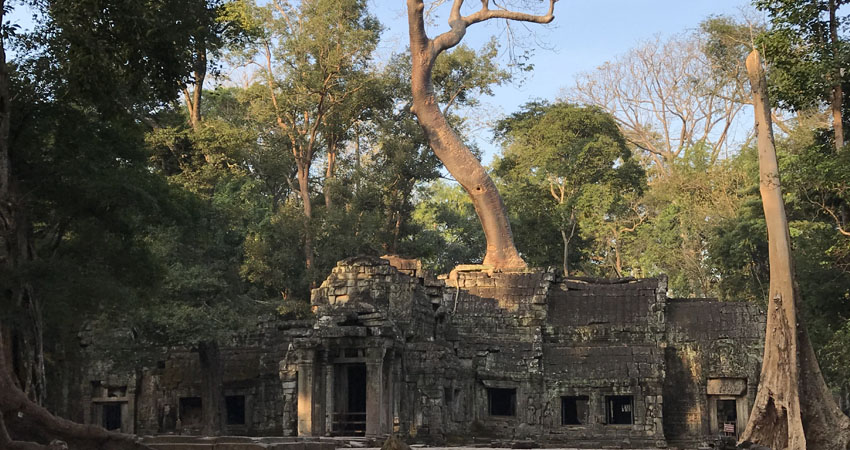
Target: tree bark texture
x=212 y=398
x=456 y=157
x=330 y=173
x=304 y=190
x=793 y=408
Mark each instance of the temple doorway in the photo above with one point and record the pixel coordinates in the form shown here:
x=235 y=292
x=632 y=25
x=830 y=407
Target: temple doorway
x=349 y=418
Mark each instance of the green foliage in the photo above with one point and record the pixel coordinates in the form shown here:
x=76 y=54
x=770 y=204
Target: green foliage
x=462 y=74
x=450 y=233
x=683 y=210
x=567 y=167
x=804 y=63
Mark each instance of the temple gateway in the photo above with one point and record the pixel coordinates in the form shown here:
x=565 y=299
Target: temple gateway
x=474 y=355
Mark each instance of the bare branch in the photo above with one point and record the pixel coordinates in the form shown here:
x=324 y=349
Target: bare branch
x=485 y=13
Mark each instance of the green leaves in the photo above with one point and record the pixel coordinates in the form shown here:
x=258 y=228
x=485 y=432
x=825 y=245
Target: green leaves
x=804 y=62
x=568 y=167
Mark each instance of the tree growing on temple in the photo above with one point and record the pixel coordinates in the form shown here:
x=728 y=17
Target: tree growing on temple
x=456 y=157
x=793 y=409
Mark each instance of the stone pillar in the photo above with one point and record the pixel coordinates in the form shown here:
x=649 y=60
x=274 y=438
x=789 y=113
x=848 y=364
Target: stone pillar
x=305 y=393
x=330 y=388
x=375 y=407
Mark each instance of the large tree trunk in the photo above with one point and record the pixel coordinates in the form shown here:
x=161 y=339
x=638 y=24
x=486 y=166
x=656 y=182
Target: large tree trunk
x=212 y=396
x=793 y=408
x=456 y=157
x=193 y=99
x=25 y=425
x=16 y=250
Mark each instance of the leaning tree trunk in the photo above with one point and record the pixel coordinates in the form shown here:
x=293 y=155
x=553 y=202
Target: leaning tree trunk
x=456 y=157
x=793 y=408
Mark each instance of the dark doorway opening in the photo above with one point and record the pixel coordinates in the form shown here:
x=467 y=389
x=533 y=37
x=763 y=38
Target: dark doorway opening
x=357 y=388
x=112 y=416
x=620 y=409
x=502 y=401
x=235 y=405
x=350 y=399
x=574 y=410
x=727 y=417
x=191 y=412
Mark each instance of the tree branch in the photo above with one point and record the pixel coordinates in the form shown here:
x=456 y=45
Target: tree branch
x=485 y=13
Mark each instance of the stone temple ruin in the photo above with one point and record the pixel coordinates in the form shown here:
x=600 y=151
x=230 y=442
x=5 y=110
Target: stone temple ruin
x=471 y=356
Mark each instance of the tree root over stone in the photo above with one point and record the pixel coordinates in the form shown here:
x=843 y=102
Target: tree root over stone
x=25 y=425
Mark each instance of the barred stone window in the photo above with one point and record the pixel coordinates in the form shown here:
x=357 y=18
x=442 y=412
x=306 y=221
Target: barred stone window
x=574 y=410
x=502 y=401
x=620 y=409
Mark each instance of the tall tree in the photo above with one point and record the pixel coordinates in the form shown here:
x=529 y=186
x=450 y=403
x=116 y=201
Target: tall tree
x=314 y=60
x=566 y=152
x=793 y=408
x=808 y=56
x=96 y=71
x=667 y=96
x=215 y=24
x=456 y=157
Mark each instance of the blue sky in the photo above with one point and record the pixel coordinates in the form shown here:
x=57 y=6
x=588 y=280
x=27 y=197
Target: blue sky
x=584 y=34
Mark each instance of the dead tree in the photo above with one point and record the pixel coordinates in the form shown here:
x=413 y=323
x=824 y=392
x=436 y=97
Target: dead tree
x=793 y=408
x=456 y=157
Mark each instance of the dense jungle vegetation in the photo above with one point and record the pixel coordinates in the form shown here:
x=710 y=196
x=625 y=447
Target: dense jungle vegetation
x=186 y=167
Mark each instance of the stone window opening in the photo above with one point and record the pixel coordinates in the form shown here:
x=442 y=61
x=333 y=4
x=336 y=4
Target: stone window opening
x=574 y=410
x=502 y=401
x=619 y=409
x=235 y=408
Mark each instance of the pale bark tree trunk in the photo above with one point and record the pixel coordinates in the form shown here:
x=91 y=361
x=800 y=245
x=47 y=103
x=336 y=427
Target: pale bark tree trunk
x=193 y=99
x=837 y=91
x=793 y=408
x=618 y=257
x=330 y=173
x=566 y=255
x=304 y=190
x=456 y=157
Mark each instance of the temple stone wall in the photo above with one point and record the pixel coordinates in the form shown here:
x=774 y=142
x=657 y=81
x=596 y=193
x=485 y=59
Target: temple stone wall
x=710 y=344
x=481 y=355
